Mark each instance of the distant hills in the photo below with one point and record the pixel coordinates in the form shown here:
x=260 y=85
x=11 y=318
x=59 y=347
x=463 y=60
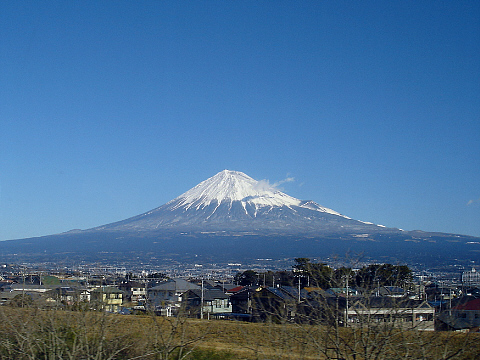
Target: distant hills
x=231 y=216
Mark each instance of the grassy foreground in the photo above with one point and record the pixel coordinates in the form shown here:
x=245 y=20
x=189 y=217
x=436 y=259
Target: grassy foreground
x=56 y=334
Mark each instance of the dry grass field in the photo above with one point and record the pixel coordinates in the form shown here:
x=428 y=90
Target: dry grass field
x=56 y=334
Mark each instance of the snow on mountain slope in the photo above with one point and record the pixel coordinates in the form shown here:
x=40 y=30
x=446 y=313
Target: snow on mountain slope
x=229 y=186
x=231 y=215
x=233 y=201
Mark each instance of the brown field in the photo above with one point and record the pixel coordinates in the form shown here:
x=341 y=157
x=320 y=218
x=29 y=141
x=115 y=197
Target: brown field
x=50 y=334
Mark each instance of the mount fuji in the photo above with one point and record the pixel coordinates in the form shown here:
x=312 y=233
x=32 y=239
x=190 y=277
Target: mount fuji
x=232 y=201
x=231 y=216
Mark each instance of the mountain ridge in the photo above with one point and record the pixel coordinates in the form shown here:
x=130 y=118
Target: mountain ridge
x=232 y=200
x=232 y=216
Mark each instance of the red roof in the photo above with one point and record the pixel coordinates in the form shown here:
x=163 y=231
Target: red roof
x=236 y=289
x=470 y=305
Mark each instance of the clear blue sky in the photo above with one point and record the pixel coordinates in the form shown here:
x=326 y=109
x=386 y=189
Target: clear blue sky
x=111 y=108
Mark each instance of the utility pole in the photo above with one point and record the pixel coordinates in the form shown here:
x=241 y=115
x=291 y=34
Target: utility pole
x=299 y=289
x=23 y=287
x=450 y=299
x=346 y=311
x=201 y=302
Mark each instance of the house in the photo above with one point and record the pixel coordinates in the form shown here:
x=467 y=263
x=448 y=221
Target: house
x=470 y=278
x=391 y=291
x=343 y=291
x=320 y=307
x=135 y=291
x=30 y=288
x=277 y=304
x=166 y=298
x=464 y=315
x=228 y=288
x=107 y=298
x=436 y=292
x=25 y=295
x=402 y=313
x=288 y=303
x=241 y=299
x=272 y=304
x=215 y=303
x=68 y=295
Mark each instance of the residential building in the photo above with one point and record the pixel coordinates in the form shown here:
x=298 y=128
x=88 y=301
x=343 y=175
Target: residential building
x=68 y=295
x=135 y=291
x=205 y=303
x=277 y=303
x=166 y=298
x=471 y=277
x=402 y=313
x=107 y=298
x=464 y=315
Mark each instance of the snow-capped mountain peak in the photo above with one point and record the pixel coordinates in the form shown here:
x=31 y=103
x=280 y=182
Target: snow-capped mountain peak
x=229 y=186
x=231 y=215
x=233 y=201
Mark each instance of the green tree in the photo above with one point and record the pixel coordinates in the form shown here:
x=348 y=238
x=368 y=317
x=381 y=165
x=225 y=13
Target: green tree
x=248 y=277
x=284 y=278
x=377 y=275
x=343 y=277
x=313 y=274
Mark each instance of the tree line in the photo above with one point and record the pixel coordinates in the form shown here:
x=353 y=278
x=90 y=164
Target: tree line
x=309 y=274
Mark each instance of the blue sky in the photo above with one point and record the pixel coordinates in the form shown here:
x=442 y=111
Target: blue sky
x=111 y=108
